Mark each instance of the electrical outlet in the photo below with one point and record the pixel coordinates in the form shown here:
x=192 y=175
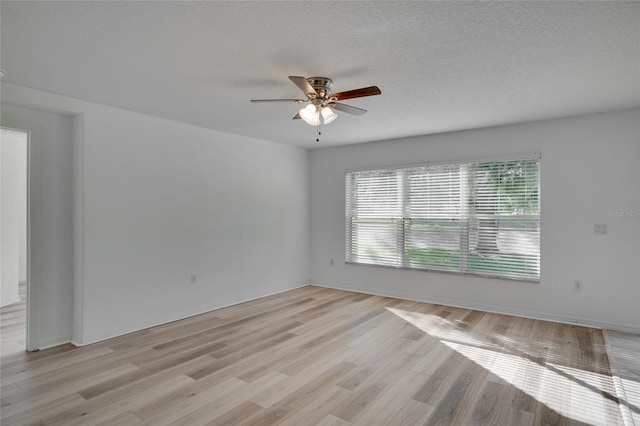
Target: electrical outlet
x=193 y=278
x=577 y=285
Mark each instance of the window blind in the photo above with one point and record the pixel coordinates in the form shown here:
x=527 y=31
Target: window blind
x=479 y=218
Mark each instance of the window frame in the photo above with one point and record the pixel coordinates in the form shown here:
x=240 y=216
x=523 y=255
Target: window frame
x=464 y=220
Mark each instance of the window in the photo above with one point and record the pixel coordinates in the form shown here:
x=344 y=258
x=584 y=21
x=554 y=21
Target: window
x=480 y=218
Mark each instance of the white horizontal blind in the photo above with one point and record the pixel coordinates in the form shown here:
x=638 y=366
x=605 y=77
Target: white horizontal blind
x=432 y=222
x=504 y=219
x=474 y=218
x=374 y=204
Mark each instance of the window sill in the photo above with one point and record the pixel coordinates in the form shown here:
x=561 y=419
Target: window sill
x=443 y=271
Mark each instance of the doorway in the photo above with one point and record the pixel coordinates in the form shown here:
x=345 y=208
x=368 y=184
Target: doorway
x=14 y=276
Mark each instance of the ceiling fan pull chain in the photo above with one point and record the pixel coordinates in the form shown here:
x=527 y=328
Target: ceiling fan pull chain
x=319 y=133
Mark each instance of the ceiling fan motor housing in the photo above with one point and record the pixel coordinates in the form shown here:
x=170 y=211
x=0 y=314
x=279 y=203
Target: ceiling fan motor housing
x=322 y=85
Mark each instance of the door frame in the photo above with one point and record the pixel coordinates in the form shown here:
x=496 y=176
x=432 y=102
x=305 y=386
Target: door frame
x=33 y=227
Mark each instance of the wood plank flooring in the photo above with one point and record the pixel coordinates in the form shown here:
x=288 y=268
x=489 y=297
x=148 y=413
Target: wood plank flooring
x=624 y=353
x=13 y=330
x=317 y=356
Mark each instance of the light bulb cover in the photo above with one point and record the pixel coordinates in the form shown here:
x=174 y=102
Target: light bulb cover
x=310 y=115
x=316 y=119
x=328 y=115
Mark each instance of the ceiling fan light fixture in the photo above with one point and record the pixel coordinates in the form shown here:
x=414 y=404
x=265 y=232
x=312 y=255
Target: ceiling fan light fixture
x=310 y=115
x=328 y=115
x=317 y=91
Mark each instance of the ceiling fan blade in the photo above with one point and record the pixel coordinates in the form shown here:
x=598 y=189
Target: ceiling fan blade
x=303 y=84
x=357 y=93
x=297 y=117
x=257 y=101
x=348 y=108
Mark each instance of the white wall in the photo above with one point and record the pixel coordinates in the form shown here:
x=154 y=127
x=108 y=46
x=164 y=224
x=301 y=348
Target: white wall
x=51 y=221
x=157 y=200
x=589 y=165
x=163 y=200
x=13 y=169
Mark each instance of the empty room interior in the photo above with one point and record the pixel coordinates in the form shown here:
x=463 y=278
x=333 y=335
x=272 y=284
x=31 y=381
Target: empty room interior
x=320 y=213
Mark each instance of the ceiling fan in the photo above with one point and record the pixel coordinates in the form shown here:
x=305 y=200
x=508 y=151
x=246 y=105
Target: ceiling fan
x=321 y=102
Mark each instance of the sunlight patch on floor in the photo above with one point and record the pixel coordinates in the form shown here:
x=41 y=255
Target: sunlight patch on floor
x=571 y=392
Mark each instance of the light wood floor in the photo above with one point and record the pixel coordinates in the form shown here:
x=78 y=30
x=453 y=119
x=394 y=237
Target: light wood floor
x=13 y=325
x=321 y=356
x=624 y=352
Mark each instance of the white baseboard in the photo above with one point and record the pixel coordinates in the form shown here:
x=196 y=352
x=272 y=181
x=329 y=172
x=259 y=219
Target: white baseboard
x=50 y=342
x=176 y=316
x=544 y=316
x=10 y=301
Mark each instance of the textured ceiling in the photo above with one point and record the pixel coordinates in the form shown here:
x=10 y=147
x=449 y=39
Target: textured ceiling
x=442 y=66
